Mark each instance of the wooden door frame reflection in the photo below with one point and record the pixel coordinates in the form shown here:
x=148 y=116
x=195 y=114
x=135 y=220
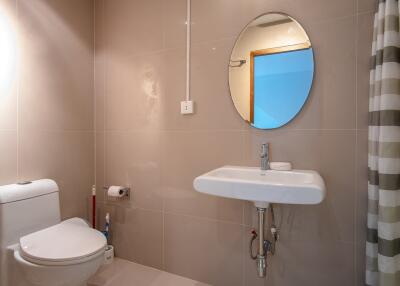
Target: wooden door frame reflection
x=270 y=51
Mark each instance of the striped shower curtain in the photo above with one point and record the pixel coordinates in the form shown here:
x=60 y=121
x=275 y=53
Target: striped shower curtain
x=383 y=236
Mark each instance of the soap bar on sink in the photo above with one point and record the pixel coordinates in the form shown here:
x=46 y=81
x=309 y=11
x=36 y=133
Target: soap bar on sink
x=280 y=166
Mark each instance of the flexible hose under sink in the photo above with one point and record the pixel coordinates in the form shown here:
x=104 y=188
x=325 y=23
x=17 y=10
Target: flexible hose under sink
x=254 y=233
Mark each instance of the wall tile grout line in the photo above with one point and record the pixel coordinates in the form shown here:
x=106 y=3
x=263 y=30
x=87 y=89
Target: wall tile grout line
x=356 y=150
x=104 y=86
x=18 y=95
x=95 y=98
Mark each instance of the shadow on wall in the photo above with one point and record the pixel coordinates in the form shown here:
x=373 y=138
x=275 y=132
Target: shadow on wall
x=63 y=17
x=50 y=20
x=46 y=96
x=7 y=51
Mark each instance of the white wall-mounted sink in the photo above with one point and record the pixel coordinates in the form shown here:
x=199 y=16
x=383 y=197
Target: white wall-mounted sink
x=263 y=187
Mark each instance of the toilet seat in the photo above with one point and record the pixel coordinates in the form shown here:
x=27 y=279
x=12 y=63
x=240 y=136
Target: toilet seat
x=69 y=242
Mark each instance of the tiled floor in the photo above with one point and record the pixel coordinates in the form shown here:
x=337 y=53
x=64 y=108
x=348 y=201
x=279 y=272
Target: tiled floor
x=125 y=273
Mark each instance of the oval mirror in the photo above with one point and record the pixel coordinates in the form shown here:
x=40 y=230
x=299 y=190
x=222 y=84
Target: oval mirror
x=271 y=70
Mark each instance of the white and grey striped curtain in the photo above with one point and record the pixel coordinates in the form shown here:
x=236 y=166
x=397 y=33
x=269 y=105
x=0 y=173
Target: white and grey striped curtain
x=383 y=236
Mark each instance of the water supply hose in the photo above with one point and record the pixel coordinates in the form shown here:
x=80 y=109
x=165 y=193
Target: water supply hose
x=254 y=236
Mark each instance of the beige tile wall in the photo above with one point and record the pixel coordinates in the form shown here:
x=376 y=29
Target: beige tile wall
x=47 y=123
x=143 y=141
x=46 y=118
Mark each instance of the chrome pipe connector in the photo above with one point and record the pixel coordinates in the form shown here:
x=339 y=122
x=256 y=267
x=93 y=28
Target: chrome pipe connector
x=261 y=266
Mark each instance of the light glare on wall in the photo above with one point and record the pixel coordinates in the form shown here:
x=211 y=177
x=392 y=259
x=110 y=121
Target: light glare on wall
x=7 y=52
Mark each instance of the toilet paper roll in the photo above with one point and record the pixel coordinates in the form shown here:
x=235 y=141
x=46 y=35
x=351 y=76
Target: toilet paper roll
x=116 y=191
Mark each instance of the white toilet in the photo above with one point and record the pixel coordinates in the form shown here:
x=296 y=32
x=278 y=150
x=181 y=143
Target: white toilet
x=36 y=248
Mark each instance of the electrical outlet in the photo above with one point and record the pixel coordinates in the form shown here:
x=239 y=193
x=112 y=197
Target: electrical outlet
x=187 y=107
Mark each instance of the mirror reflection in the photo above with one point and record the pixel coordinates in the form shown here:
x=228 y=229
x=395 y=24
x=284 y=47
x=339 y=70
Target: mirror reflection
x=271 y=71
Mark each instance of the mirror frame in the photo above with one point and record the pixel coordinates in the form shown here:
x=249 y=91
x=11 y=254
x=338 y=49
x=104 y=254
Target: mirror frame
x=274 y=50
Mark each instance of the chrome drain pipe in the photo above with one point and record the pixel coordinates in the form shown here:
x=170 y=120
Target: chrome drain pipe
x=265 y=246
x=261 y=259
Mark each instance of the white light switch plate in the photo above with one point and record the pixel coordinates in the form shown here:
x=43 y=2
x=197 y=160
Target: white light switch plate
x=187 y=107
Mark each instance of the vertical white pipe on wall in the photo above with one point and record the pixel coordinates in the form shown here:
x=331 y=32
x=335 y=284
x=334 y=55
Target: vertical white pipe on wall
x=188 y=35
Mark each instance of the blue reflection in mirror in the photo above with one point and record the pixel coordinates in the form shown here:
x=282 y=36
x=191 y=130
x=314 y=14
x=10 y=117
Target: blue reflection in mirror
x=281 y=84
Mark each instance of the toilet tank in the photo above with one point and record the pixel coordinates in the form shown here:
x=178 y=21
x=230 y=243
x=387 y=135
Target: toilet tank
x=26 y=208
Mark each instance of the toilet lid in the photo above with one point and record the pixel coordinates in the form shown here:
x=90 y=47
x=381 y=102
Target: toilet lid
x=67 y=241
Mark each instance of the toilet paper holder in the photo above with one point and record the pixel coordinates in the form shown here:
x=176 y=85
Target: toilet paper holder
x=126 y=190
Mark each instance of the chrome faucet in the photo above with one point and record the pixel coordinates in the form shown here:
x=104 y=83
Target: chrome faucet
x=265 y=156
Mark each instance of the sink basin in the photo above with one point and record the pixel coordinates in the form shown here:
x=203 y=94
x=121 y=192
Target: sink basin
x=263 y=187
